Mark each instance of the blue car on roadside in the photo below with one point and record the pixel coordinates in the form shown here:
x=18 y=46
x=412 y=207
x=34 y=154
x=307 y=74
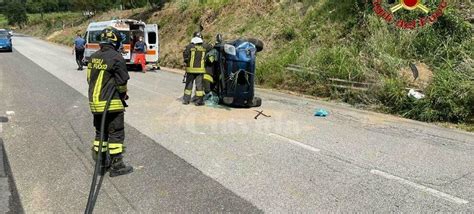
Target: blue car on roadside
x=5 y=41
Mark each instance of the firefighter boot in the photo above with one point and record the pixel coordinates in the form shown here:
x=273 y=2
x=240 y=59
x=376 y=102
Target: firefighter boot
x=186 y=99
x=199 y=101
x=118 y=167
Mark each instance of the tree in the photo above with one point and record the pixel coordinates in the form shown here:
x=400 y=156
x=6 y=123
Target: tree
x=65 y=5
x=34 y=6
x=16 y=13
x=50 y=5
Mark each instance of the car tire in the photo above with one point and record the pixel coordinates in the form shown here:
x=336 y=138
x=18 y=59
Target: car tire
x=11 y=50
x=258 y=43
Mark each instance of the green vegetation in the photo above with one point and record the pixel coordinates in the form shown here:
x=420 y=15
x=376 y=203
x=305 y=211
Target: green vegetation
x=16 y=13
x=16 y=10
x=3 y=21
x=332 y=39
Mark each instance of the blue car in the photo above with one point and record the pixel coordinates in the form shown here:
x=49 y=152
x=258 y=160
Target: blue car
x=5 y=41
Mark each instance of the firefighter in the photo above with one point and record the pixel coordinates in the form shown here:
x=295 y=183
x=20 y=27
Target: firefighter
x=212 y=67
x=195 y=58
x=107 y=74
x=208 y=78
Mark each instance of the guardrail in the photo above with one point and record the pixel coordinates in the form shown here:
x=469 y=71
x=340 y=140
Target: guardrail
x=334 y=82
x=347 y=84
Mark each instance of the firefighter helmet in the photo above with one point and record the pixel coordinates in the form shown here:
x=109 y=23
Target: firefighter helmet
x=111 y=36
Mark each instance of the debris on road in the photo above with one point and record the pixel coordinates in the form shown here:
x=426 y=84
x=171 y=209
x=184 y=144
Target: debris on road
x=321 y=113
x=211 y=100
x=261 y=113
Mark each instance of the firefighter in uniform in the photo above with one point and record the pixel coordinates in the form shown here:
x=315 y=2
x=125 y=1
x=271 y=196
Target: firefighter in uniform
x=107 y=76
x=208 y=79
x=195 y=58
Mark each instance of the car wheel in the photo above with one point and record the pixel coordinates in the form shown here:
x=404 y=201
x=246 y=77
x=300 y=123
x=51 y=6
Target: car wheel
x=258 y=43
x=11 y=50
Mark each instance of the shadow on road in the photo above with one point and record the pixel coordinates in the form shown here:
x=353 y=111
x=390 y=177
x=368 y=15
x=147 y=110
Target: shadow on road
x=14 y=203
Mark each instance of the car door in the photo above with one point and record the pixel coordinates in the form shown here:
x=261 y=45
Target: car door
x=153 y=44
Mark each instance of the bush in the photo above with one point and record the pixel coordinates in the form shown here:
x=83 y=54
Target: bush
x=450 y=98
x=393 y=95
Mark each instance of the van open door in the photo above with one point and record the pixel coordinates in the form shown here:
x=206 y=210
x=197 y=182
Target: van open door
x=151 y=38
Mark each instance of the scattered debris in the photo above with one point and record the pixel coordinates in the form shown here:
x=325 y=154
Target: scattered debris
x=417 y=95
x=211 y=100
x=414 y=70
x=321 y=113
x=10 y=113
x=261 y=113
x=418 y=75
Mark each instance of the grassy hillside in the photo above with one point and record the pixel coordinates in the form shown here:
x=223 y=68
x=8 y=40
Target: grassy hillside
x=332 y=39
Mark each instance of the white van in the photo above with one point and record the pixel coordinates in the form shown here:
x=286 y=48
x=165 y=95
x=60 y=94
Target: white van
x=130 y=30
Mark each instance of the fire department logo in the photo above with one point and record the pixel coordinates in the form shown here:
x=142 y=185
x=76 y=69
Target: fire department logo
x=392 y=12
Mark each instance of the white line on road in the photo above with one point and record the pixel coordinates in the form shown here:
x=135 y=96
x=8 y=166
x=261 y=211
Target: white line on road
x=434 y=192
x=296 y=143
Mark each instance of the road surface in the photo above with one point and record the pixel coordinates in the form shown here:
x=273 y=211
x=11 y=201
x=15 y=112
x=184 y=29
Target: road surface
x=203 y=159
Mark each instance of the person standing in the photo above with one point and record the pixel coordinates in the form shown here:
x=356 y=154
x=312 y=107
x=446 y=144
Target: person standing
x=140 y=53
x=194 y=57
x=79 y=48
x=107 y=77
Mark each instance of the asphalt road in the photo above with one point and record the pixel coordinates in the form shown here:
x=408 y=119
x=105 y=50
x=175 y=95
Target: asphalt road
x=202 y=159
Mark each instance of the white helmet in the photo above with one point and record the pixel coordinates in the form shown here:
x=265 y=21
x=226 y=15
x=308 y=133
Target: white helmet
x=197 y=40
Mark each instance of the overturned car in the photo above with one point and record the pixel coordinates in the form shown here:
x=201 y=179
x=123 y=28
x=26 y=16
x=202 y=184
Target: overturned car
x=234 y=72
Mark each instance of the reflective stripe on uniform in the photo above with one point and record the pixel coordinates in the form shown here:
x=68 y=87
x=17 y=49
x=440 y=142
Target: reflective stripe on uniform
x=199 y=93
x=188 y=92
x=196 y=70
x=197 y=53
x=193 y=56
x=212 y=59
x=208 y=78
x=98 y=106
x=98 y=87
x=115 y=104
x=114 y=148
x=96 y=146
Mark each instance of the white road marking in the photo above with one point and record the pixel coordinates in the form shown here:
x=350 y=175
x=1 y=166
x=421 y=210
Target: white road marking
x=10 y=113
x=431 y=191
x=296 y=143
